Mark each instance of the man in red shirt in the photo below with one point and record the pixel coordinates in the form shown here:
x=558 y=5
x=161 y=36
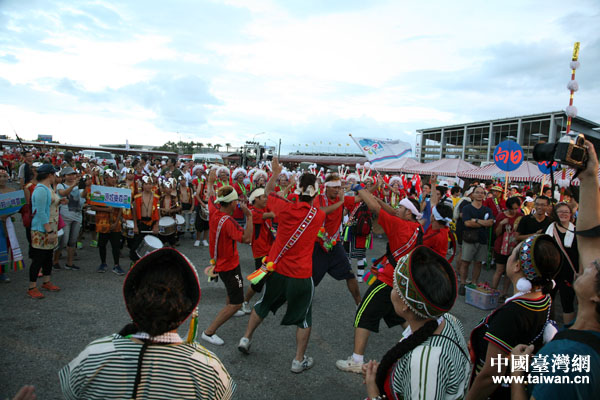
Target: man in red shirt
x=224 y=232
x=404 y=233
x=436 y=237
x=329 y=255
x=262 y=239
x=291 y=281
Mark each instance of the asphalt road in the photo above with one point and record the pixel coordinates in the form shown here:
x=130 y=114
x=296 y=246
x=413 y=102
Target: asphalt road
x=40 y=336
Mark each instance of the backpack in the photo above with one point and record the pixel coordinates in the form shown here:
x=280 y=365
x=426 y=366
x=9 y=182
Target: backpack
x=364 y=221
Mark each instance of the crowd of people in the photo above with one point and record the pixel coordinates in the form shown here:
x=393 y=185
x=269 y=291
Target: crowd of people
x=301 y=226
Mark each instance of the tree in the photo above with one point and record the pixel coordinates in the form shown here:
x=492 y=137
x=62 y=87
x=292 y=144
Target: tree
x=217 y=146
x=227 y=146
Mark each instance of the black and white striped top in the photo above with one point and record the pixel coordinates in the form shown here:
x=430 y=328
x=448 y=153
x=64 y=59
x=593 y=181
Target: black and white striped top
x=107 y=367
x=437 y=369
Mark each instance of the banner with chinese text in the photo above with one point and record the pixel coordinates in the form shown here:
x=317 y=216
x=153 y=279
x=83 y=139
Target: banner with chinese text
x=110 y=196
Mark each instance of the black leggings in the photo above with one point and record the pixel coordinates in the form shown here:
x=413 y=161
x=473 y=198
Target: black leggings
x=40 y=259
x=115 y=243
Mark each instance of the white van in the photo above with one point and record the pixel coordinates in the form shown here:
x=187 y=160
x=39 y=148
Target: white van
x=207 y=158
x=100 y=156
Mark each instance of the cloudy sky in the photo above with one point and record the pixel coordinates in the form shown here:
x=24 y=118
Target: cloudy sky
x=306 y=71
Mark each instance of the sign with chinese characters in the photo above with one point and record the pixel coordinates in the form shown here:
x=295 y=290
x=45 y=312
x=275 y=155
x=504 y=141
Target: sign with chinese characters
x=508 y=155
x=11 y=202
x=110 y=196
x=547 y=167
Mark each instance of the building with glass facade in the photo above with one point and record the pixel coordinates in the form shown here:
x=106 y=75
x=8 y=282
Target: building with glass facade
x=474 y=142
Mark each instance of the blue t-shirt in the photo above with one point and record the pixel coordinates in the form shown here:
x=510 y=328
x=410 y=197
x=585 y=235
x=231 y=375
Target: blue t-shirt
x=565 y=391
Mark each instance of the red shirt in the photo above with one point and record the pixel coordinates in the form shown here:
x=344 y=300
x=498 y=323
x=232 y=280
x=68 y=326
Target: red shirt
x=227 y=254
x=333 y=220
x=297 y=261
x=263 y=237
x=243 y=192
x=496 y=206
x=399 y=232
x=437 y=240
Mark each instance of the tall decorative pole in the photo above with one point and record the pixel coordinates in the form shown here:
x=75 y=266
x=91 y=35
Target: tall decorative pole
x=573 y=86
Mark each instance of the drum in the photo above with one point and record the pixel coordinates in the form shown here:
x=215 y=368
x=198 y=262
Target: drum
x=203 y=212
x=167 y=226
x=148 y=245
x=90 y=217
x=127 y=228
x=180 y=221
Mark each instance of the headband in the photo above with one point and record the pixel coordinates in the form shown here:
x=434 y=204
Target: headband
x=257 y=193
x=227 y=199
x=527 y=256
x=334 y=183
x=408 y=204
x=146 y=179
x=412 y=295
x=438 y=216
x=309 y=191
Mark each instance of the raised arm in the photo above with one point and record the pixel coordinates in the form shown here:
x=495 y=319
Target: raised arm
x=276 y=169
x=212 y=177
x=369 y=200
x=589 y=209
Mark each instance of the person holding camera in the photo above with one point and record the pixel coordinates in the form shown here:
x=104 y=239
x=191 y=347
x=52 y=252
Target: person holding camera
x=477 y=219
x=71 y=214
x=582 y=339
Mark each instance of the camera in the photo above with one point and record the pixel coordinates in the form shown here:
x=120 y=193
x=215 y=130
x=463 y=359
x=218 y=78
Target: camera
x=81 y=184
x=568 y=151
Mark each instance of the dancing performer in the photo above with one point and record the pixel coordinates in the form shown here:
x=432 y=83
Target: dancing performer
x=243 y=191
x=404 y=232
x=436 y=237
x=263 y=239
x=358 y=236
x=224 y=235
x=290 y=257
x=328 y=254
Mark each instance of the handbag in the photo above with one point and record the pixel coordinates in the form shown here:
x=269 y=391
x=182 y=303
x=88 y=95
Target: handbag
x=509 y=241
x=471 y=235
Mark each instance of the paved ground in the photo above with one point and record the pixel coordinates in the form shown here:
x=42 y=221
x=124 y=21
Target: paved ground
x=41 y=336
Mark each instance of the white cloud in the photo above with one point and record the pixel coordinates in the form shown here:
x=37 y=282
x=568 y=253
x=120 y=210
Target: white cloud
x=222 y=71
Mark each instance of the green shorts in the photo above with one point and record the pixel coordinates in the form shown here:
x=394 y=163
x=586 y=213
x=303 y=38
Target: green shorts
x=297 y=292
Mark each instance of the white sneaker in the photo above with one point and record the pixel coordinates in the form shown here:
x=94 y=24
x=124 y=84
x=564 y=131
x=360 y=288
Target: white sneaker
x=204 y=243
x=246 y=308
x=214 y=339
x=196 y=243
x=299 y=366
x=349 y=365
x=244 y=345
x=239 y=313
